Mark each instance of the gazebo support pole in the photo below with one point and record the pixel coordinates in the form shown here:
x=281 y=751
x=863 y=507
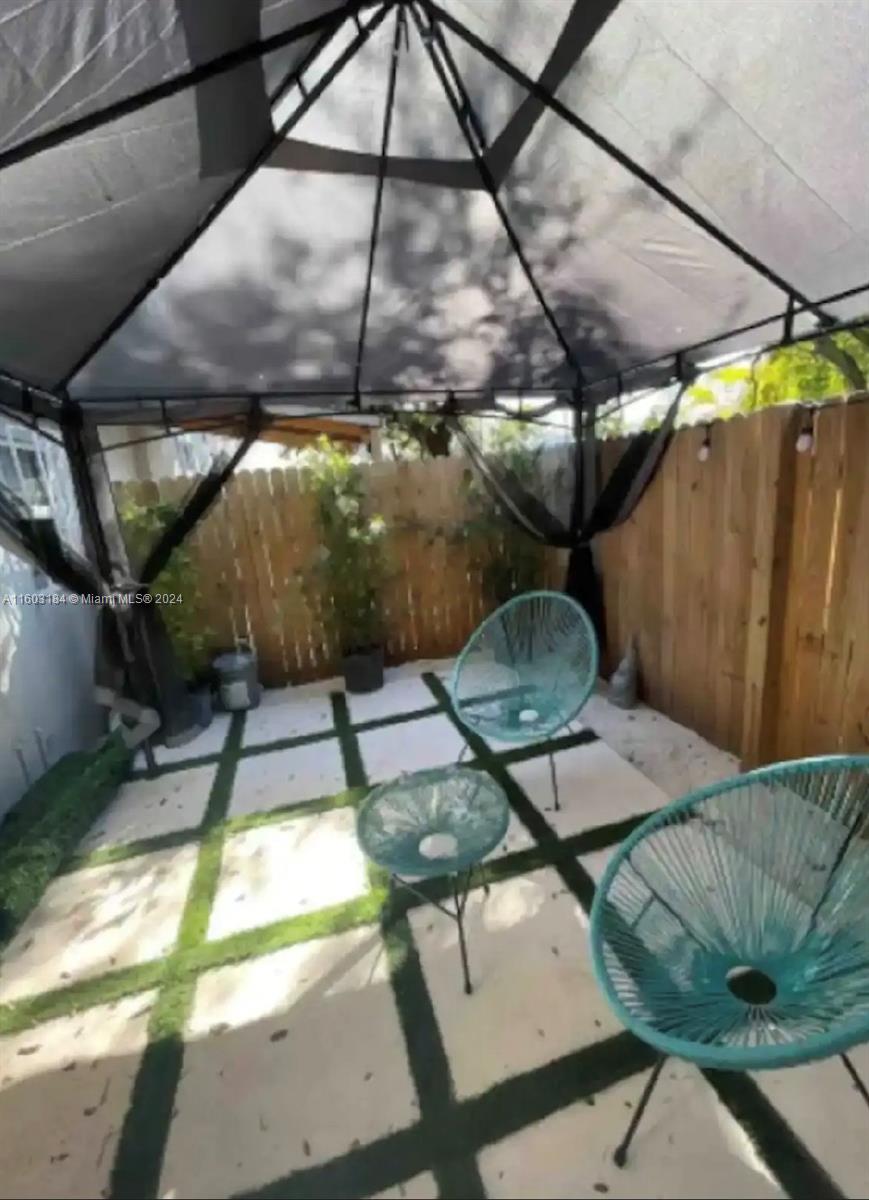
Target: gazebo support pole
x=103 y=540
x=92 y=494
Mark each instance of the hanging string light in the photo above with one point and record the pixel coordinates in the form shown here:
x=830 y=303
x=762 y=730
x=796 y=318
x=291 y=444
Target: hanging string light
x=705 y=447
x=806 y=439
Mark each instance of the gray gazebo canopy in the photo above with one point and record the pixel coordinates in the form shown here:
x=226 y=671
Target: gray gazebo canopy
x=340 y=205
x=236 y=208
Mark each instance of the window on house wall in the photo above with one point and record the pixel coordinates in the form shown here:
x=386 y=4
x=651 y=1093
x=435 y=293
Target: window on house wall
x=37 y=471
x=22 y=471
x=195 y=452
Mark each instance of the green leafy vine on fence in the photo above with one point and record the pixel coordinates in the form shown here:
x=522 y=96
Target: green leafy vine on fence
x=350 y=570
x=508 y=560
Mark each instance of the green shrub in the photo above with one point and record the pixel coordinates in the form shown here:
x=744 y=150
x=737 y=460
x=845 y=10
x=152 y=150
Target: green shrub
x=192 y=639
x=509 y=561
x=48 y=823
x=350 y=570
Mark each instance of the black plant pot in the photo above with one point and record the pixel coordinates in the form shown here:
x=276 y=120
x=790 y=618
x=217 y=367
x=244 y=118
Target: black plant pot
x=363 y=669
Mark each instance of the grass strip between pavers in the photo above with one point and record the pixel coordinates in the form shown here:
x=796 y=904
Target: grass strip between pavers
x=354 y=769
x=25 y=1014
x=256 y=749
x=106 y=855
x=416 y=714
x=264 y=939
x=254 y=943
x=456 y=1172
x=450 y=1133
x=426 y=1053
x=185 y=966
x=349 y=798
x=182 y=764
x=564 y=741
x=145 y=1131
x=287 y=743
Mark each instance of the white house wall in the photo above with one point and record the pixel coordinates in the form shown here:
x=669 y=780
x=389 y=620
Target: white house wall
x=46 y=683
x=46 y=657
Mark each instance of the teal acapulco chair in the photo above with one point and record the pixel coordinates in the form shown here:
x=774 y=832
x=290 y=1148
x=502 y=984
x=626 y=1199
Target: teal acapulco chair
x=527 y=670
x=731 y=929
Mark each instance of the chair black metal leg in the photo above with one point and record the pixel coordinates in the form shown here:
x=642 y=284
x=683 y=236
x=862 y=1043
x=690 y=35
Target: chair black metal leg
x=460 y=921
x=150 y=760
x=461 y=885
x=621 y=1153
x=554 y=778
x=858 y=1082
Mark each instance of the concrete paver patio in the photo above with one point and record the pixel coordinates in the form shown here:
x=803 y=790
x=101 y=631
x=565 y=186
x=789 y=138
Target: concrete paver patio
x=255 y=887
x=147 y=808
x=99 y=920
x=262 y=1094
x=64 y=1089
x=281 y=777
x=233 y=1006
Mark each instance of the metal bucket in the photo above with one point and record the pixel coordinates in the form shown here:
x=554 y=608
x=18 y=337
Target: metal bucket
x=237 y=683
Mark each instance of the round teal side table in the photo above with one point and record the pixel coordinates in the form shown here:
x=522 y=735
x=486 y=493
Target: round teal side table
x=441 y=822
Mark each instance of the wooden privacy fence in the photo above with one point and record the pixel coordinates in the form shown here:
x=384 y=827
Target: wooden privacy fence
x=745 y=579
x=254 y=561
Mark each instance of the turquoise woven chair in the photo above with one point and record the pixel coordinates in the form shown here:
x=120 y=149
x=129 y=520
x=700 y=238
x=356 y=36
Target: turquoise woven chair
x=527 y=671
x=731 y=929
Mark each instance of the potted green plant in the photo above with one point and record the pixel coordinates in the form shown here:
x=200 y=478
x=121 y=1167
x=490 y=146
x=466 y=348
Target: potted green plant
x=350 y=569
x=192 y=638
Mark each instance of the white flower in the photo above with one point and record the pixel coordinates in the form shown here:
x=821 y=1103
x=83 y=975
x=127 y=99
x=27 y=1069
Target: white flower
x=377 y=526
x=347 y=506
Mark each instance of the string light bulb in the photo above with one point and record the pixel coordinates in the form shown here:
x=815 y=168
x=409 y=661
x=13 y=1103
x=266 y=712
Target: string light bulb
x=806 y=438
x=705 y=448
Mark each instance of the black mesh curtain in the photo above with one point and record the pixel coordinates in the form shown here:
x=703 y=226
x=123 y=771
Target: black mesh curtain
x=150 y=672
x=137 y=674
x=579 y=509
x=118 y=683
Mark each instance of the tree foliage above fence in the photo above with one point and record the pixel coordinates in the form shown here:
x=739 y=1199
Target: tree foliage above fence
x=807 y=372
